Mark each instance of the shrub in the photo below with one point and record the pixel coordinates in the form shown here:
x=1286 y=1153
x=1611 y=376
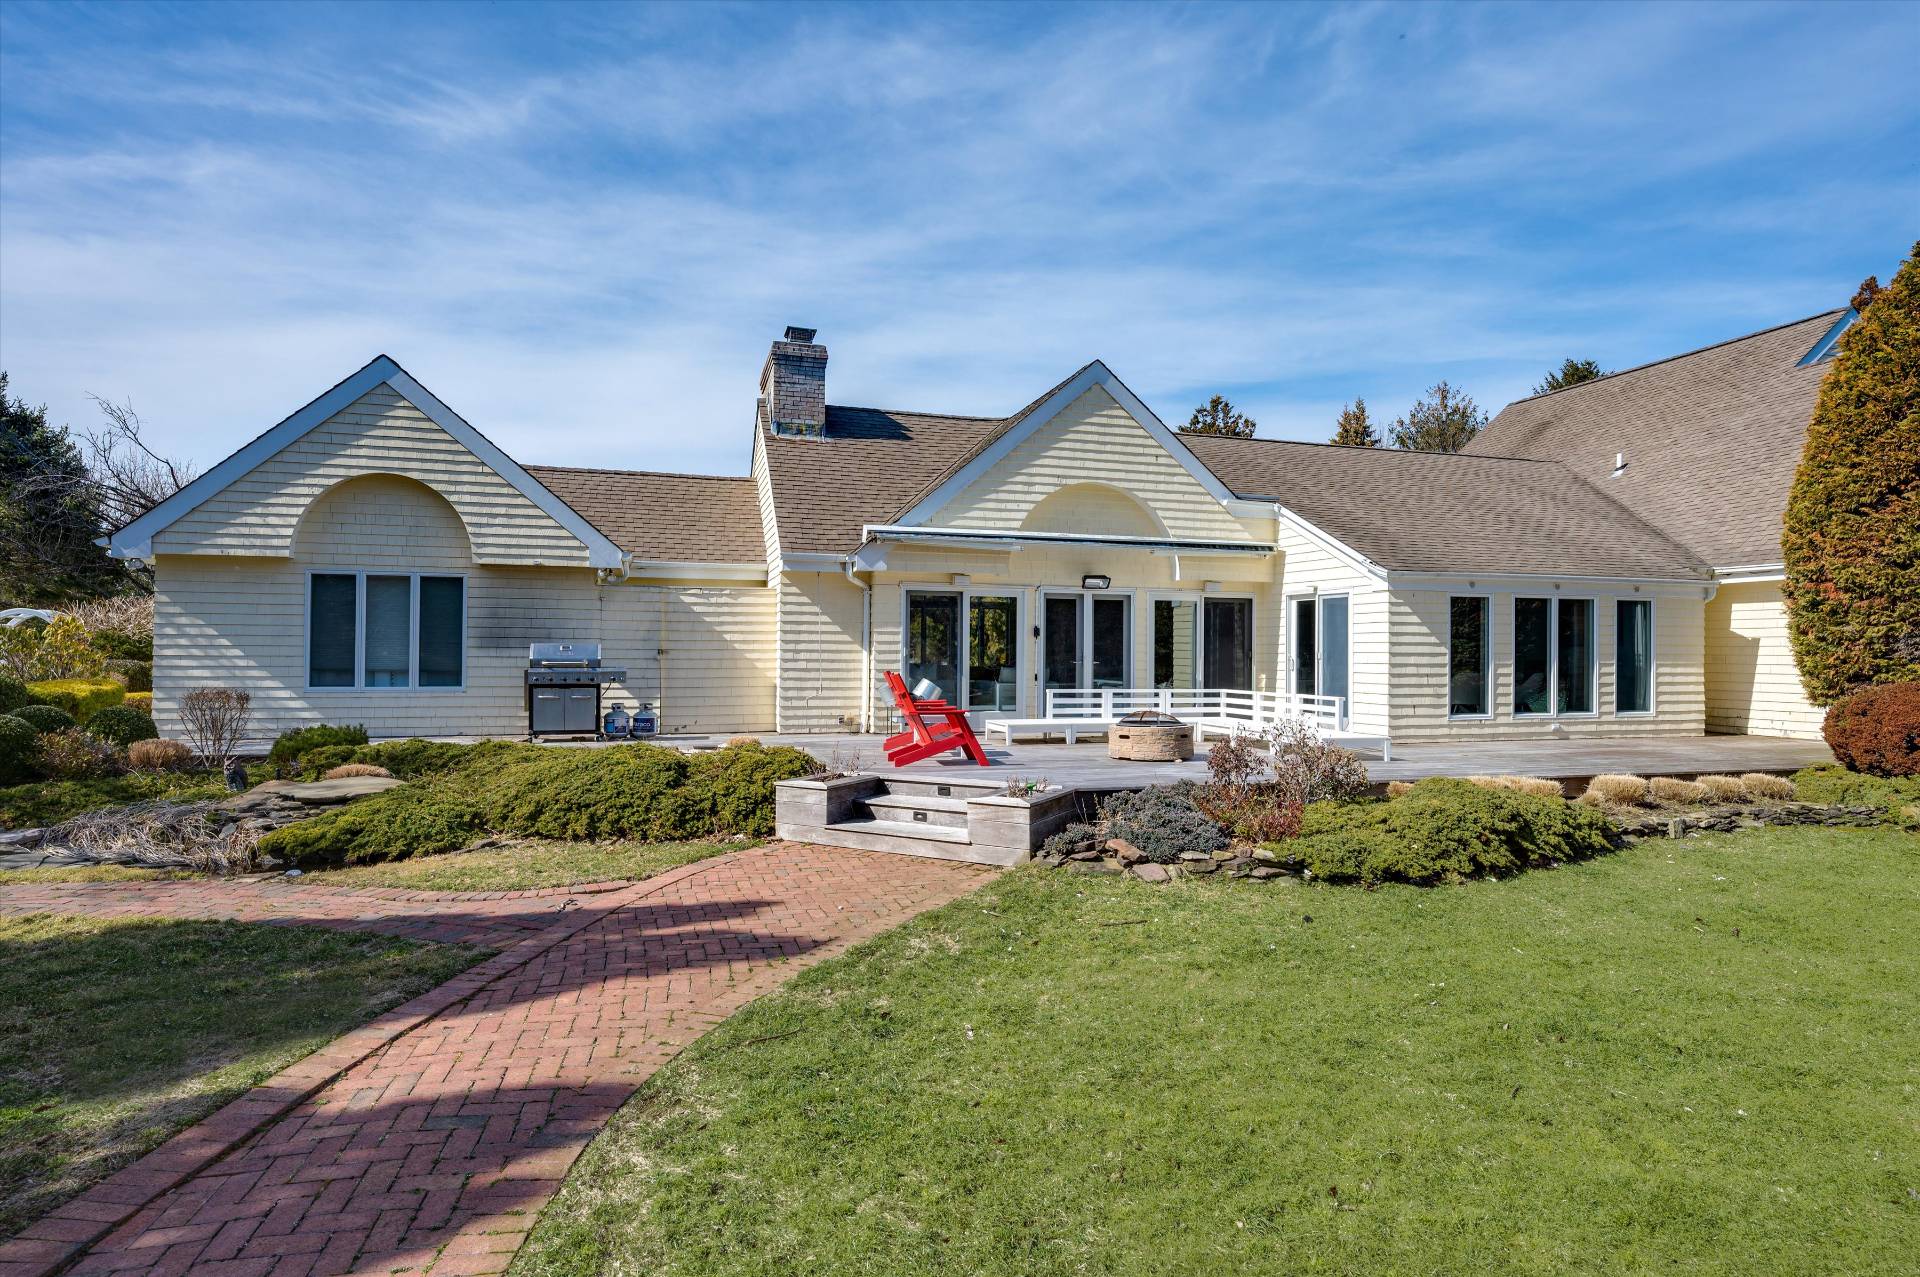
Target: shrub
x=1399 y=788
x=1162 y=822
x=1262 y=783
x=624 y=791
x=18 y=743
x=290 y=747
x=13 y=694
x=154 y=755
x=410 y=821
x=1898 y=796
x=1724 y=789
x=1521 y=784
x=45 y=718
x=730 y=791
x=1851 y=537
x=347 y=771
x=142 y=701
x=135 y=676
x=1671 y=789
x=1619 y=791
x=71 y=754
x=1766 y=785
x=1876 y=730
x=1441 y=829
x=215 y=721
x=80 y=697
x=121 y=725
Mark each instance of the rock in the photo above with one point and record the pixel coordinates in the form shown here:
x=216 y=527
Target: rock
x=1677 y=827
x=1195 y=857
x=1206 y=866
x=22 y=839
x=1089 y=854
x=1093 y=867
x=293 y=873
x=1150 y=872
x=1265 y=856
x=1265 y=872
x=1053 y=860
x=1125 y=852
x=1225 y=854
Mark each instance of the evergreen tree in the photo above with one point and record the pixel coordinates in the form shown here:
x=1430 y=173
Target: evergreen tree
x=49 y=514
x=1444 y=420
x=1852 y=532
x=1217 y=417
x=1571 y=372
x=1354 y=429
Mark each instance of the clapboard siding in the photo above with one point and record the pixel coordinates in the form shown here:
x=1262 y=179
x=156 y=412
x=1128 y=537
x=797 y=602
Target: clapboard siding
x=1091 y=440
x=1418 y=622
x=820 y=657
x=1307 y=567
x=1753 y=684
x=380 y=432
x=228 y=621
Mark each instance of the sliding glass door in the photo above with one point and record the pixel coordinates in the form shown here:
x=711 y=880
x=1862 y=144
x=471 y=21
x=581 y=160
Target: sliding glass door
x=1320 y=661
x=1085 y=640
x=966 y=644
x=1228 y=644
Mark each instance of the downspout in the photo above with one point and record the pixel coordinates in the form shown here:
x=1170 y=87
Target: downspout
x=866 y=648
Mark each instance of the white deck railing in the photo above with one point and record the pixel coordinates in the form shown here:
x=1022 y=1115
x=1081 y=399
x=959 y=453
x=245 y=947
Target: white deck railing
x=1214 y=704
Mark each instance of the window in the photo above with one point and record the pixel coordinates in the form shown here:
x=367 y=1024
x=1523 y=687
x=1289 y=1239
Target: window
x=1553 y=656
x=391 y=630
x=1176 y=631
x=965 y=644
x=1633 y=656
x=1468 y=665
x=933 y=642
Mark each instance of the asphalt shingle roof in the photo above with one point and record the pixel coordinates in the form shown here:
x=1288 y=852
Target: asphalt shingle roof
x=1711 y=438
x=686 y=518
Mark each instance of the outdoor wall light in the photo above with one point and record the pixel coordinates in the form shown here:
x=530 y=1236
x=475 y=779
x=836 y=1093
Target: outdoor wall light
x=1095 y=582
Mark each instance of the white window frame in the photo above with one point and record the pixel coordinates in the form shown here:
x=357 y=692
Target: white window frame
x=360 y=576
x=1084 y=639
x=1553 y=656
x=964 y=665
x=1653 y=658
x=1293 y=602
x=1486 y=640
x=1200 y=597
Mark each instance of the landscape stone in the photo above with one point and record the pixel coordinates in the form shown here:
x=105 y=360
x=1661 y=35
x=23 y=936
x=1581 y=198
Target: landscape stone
x=1264 y=872
x=1151 y=872
x=1125 y=852
x=22 y=838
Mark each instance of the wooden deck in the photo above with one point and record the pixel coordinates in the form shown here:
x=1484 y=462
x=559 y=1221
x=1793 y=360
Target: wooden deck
x=1086 y=765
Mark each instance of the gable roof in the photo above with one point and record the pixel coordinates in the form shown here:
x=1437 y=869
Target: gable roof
x=1711 y=437
x=135 y=539
x=1447 y=513
x=683 y=518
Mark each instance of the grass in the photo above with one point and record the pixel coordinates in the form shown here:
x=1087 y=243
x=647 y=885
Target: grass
x=48 y=802
x=115 y=1034
x=1898 y=798
x=87 y=873
x=526 y=866
x=1700 y=1057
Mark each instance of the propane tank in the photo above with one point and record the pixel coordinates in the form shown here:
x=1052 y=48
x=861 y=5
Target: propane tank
x=645 y=721
x=617 y=723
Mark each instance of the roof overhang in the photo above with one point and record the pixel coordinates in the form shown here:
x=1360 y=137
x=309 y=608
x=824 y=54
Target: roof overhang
x=1750 y=572
x=685 y=570
x=871 y=556
x=135 y=540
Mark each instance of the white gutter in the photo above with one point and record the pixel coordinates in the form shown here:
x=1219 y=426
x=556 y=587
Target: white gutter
x=1751 y=572
x=866 y=649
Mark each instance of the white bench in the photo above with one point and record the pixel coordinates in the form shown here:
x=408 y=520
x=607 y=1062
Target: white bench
x=1215 y=711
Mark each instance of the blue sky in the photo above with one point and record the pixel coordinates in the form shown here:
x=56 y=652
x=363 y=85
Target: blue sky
x=582 y=225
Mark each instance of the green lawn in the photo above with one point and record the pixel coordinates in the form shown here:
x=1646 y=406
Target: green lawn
x=526 y=866
x=1698 y=1057
x=115 y=1034
x=87 y=873
x=48 y=802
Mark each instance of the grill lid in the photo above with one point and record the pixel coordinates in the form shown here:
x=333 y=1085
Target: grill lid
x=576 y=655
x=1149 y=718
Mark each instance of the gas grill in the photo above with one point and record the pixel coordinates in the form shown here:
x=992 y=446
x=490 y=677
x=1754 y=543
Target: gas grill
x=563 y=688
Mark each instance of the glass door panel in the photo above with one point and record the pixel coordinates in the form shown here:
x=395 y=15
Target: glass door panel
x=1576 y=653
x=1533 y=656
x=1306 y=647
x=1229 y=643
x=1109 y=641
x=1333 y=650
x=1176 y=625
x=992 y=653
x=1060 y=641
x=933 y=641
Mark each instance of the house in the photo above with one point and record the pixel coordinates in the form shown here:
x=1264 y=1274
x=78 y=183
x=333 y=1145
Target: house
x=374 y=558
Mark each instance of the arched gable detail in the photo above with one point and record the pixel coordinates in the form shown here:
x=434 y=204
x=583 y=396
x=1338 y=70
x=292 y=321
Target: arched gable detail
x=382 y=520
x=1093 y=508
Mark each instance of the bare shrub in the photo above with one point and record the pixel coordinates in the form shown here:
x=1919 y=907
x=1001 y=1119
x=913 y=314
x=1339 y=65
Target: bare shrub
x=840 y=763
x=1535 y=785
x=1671 y=789
x=1399 y=788
x=1619 y=791
x=121 y=614
x=158 y=756
x=163 y=835
x=71 y=754
x=742 y=740
x=346 y=771
x=1724 y=789
x=1762 y=785
x=215 y=720
x=1308 y=769
x=1262 y=783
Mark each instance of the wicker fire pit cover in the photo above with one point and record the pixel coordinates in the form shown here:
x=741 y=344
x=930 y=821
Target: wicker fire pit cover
x=1148 y=736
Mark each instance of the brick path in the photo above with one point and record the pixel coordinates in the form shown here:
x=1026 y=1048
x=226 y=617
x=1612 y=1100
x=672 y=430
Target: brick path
x=439 y=1130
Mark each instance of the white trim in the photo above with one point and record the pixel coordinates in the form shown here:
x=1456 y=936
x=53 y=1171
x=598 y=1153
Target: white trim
x=1315 y=597
x=1653 y=658
x=1751 y=573
x=1094 y=374
x=360 y=576
x=135 y=540
x=683 y=570
x=1486 y=645
x=814 y=561
x=1331 y=544
x=1470 y=582
x=1553 y=658
x=1824 y=347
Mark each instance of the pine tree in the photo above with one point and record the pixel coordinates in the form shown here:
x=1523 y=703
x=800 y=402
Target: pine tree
x=1571 y=372
x=1217 y=417
x=1443 y=421
x=1852 y=532
x=1355 y=429
x=49 y=513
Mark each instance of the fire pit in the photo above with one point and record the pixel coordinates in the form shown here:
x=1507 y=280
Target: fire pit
x=1148 y=736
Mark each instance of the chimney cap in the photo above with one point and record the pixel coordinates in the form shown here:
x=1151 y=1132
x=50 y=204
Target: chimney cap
x=799 y=334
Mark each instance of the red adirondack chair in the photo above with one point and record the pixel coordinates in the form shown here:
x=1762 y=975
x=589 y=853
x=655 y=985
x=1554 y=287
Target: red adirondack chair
x=933 y=727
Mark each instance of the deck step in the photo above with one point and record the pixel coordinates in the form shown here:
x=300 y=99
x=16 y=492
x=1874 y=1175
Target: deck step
x=917 y=810
x=941 y=787
x=906 y=839
x=902 y=829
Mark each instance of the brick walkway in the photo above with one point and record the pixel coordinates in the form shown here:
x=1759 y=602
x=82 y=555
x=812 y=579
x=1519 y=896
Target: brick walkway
x=439 y=1130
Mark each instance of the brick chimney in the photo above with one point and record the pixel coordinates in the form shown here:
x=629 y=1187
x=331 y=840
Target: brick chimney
x=794 y=384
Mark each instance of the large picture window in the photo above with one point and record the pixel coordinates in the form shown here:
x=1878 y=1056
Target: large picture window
x=1469 y=663
x=1553 y=656
x=1633 y=656
x=386 y=630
